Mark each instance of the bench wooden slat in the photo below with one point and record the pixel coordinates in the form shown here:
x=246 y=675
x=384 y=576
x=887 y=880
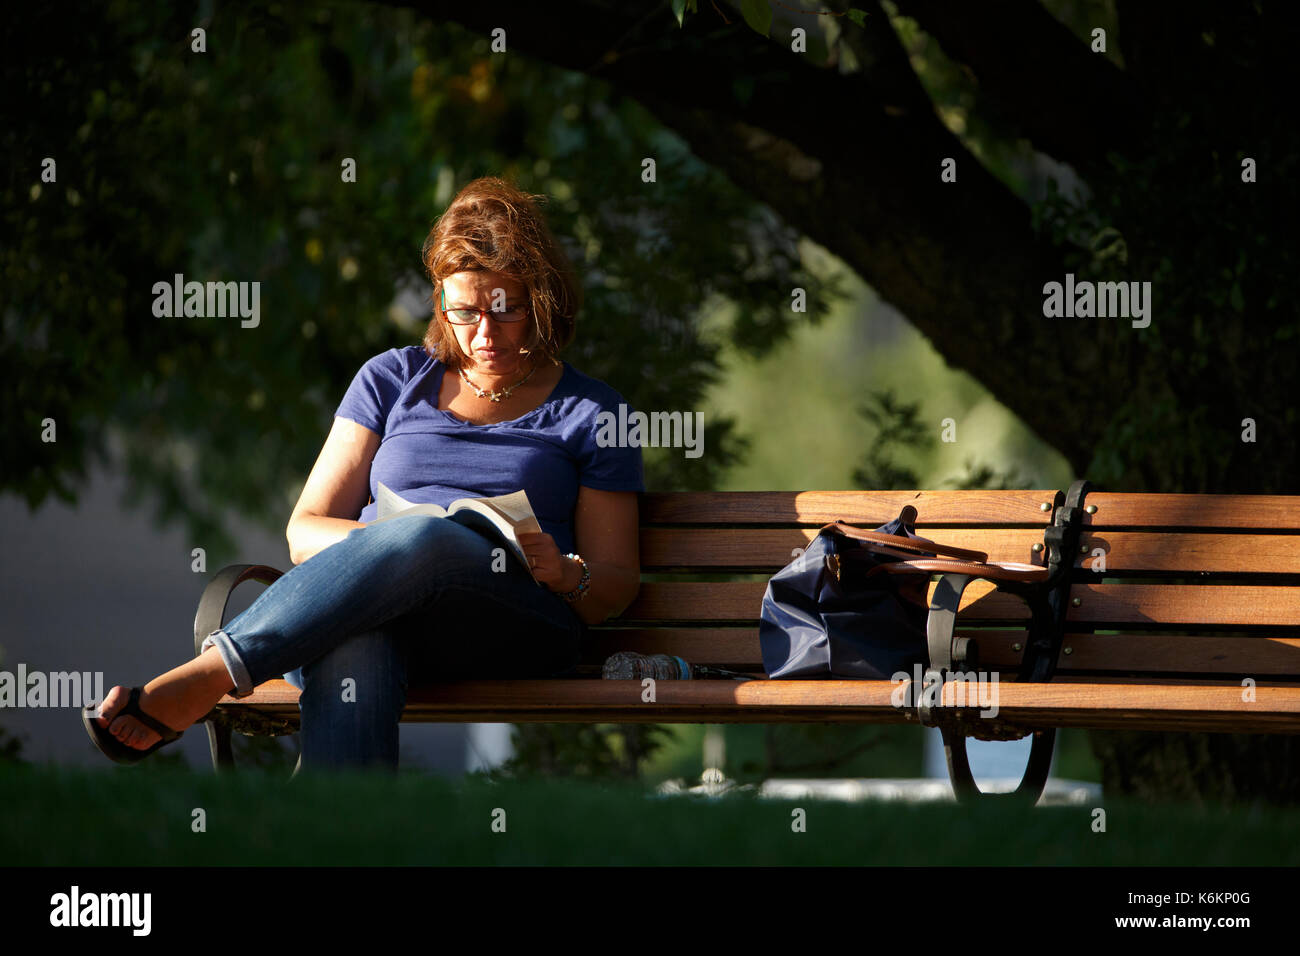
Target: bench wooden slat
x=1181 y=707
x=742 y=600
x=1178 y=653
x=732 y=647
x=1210 y=605
x=1100 y=604
x=737 y=648
x=1252 y=656
x=1191 y=552
x=770 y=549
x=857 y=507
x=1265 y=512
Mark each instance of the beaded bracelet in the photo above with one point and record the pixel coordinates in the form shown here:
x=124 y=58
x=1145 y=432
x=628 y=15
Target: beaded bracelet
x=578 y=592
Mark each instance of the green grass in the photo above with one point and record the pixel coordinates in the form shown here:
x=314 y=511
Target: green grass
x=139 y=816
x=874 y=750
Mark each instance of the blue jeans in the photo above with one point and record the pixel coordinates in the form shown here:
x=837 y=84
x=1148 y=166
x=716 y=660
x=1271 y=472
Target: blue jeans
x=418 y=595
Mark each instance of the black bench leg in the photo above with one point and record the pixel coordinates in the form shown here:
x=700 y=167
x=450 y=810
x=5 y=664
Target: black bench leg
x=220 y=743
x=945 y=652
x=1031 y=785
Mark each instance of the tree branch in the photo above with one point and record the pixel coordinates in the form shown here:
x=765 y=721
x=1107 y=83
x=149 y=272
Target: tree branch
x=1037 y=78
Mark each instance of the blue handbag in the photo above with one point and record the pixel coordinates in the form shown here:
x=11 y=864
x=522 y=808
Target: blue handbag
x=837 y=611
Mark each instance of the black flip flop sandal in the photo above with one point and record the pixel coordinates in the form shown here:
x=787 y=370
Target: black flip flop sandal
x=114 y=749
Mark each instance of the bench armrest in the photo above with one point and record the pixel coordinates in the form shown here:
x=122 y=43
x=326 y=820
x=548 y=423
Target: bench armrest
x=212 y=604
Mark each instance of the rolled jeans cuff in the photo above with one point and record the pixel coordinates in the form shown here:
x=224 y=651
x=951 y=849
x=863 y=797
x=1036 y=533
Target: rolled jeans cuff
x=234 y=663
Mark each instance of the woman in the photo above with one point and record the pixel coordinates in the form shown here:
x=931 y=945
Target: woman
x=484 y=407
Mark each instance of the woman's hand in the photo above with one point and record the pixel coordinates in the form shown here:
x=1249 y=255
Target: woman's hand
x=552 y=568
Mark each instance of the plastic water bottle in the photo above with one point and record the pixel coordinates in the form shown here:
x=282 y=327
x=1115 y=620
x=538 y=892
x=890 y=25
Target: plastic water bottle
x=628 y=665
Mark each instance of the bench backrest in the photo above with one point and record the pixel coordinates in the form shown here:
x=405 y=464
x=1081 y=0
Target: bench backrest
x=1186 y=587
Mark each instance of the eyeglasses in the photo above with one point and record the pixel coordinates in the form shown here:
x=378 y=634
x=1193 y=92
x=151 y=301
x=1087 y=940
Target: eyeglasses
x=474 y=316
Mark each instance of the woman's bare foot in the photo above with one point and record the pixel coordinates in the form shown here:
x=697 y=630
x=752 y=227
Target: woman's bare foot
x=177 y=698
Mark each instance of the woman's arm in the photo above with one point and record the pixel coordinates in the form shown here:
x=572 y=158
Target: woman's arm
x=339 y=484
x=605 y=525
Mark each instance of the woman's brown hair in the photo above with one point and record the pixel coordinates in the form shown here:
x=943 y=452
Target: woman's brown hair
x=492 y=225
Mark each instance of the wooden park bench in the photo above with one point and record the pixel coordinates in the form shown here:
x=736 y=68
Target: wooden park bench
x=1165 y=612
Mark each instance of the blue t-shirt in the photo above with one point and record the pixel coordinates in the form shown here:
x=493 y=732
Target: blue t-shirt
x=427 y=454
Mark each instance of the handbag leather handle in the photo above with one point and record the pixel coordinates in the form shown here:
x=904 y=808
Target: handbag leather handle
x=908 y=544
x=1002 y=571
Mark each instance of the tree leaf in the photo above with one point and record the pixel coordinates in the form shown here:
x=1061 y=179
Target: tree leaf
x=758 y=14
x=679 y=9
x=857 y=16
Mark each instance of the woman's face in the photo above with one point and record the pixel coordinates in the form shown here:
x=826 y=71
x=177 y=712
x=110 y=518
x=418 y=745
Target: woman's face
x=492 y=346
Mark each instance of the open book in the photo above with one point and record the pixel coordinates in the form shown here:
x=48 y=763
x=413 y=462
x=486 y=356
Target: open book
x=505 y=515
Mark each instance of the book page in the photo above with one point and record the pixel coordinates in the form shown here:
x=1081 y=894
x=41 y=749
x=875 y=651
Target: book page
x=515 y=508
x=389 y=504
x=504 y=515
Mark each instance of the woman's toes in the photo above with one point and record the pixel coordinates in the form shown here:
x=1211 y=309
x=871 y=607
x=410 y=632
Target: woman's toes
x=113 y=701
x=125 y=728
